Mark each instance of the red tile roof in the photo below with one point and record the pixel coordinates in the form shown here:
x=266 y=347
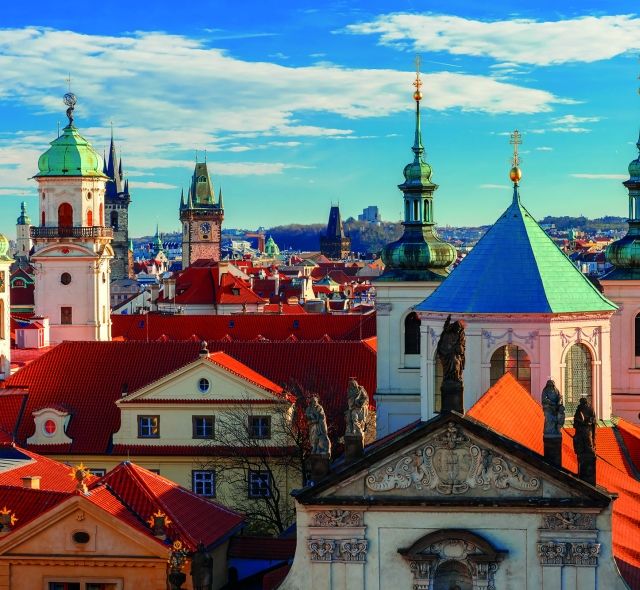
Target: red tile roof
x=241 y=370
x=244 y=326
x=88 y=377
x=28 y=504
x=12 y=402
x=509 y=409
x=193 y=517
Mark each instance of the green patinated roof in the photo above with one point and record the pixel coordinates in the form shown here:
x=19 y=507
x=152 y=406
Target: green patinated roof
x=70 y=155
x=24 y=218
x=516 y=268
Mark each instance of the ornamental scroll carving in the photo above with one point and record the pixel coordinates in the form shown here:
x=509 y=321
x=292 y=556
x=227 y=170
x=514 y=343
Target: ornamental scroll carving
x=569 y=521
x=337 y=550
x=583 y=554
x=337 y=518
x=451 y=464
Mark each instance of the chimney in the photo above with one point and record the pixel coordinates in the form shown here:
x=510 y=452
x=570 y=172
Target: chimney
x=31 y=482
x=276 y=286
x=124 y=390
x=169 y=288
x=204 y=349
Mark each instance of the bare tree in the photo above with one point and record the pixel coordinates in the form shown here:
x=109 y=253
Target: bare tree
x=257 y=455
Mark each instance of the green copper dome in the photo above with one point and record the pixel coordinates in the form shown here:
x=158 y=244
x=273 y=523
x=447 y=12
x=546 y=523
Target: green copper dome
x=419 y=255
x=624 y=253
x=70 y=155
x=24 y=219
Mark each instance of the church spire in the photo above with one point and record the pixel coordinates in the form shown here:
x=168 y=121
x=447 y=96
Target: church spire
x=418 y=148
x=220 y=205
x=515 y=174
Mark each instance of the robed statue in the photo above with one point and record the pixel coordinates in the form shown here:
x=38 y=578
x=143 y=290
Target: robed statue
x=450 y=350
x=584 y=440
x=357 y=409
x=317 y=422
x=202 y=569
x=553 y=409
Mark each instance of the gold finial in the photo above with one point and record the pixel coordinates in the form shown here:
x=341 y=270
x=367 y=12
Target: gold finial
x=515 y=174
x=417 y=95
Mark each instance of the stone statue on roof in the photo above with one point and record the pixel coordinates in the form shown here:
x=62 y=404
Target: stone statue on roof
x=357 y=409
x=553 y=409
x=202 y=569
x=584 y=440
x=318 y=435
x=451 y=350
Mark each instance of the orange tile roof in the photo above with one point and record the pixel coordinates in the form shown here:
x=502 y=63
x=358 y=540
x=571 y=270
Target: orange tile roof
x=509 y=409
x=227 y=362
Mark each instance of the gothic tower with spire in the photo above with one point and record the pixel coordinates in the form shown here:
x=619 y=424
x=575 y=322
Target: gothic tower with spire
x=117 y=201
x=335 y=244
x=201 y=216
x=23 y=236
x=414 y=267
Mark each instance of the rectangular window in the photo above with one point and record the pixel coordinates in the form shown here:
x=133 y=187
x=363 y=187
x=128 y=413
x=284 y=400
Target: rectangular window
x=66 y=315
x=259 y=484
x=260 y=426
x=148 y=426
x=203 y=426
x=203 y=483
x=98 y=472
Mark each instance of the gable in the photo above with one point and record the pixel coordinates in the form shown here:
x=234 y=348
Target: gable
x=454 y=464
x=201 y=382
x=105 y=534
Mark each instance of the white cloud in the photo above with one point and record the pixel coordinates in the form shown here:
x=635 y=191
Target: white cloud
x=152 y=185
x=589 y=176
x=494 y=186
x=573 y=120
x=570 y=129
x=544 y=148
x=528 y=41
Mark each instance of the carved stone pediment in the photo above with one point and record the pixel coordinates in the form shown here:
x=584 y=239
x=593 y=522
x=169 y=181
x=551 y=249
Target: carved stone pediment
x=450 y=463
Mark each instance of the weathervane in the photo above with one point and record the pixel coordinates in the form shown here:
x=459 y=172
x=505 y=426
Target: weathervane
x=70 y=100
x=417 y=95
x=515 y=174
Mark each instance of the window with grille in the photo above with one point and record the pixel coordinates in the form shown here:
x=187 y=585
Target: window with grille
x=203 y=482
x=148 y=426
x=203 y=427
x=511 y=359
x=259 y=426
x=577 y=377
x=259 y=484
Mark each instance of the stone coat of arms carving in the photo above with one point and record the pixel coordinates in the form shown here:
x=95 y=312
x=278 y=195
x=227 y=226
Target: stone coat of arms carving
x=450 y=464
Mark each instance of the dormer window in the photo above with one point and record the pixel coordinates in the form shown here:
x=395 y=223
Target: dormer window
x=50 y=427
x=202 y=179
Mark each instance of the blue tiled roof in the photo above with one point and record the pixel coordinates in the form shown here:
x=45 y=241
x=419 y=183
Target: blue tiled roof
x=516 y=268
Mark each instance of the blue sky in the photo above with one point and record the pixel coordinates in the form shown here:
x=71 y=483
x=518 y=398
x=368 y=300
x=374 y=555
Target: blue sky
x=301 y=104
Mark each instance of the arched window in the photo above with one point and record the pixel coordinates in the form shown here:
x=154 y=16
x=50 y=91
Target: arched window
x=114 y=219
x=101 y=214
x=1 y=319
x=202 y=179
x=90 y=218
x=511 y=359
x=437 y=384
x=577 y=377
x=42 y=219
x=416 y=210
x=412 y=334
x=407 y=210
x=637 y=335
x=65 y=215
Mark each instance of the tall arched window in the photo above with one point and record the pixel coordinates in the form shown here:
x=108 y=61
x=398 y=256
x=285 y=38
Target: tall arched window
x=511 y=359
x=637 y=335
x=578 y=377
x=101 y=214
x=114 y=219
x=42 y=219
x=453 y=574
x=65 y=215
x=407 y=211
x=412 y=334
x=90 y=218
x=437 y=384
x=416 y=210
x=1 y=319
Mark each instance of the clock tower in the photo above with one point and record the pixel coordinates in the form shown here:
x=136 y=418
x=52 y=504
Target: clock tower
x=201 y=216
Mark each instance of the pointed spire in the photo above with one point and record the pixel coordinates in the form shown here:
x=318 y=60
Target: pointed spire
x=418 y=148
x=182 y=198
x=190 y=198
x=220 y=205
x=120 y=168
x=104 y=162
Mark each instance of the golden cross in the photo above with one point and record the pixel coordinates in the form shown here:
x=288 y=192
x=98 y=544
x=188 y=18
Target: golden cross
x=515 y=141
x=68 y=79
x=418 y=82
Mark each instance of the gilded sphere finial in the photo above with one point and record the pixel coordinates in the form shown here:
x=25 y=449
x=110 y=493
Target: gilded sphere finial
x=515 y=174
x=417 y=95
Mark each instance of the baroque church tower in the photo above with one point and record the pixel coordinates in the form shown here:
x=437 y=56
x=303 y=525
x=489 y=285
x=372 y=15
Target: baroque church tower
x=117 y=201
x=201 y=216
x=72 y=242
x=23 y=236
x=414 y=267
